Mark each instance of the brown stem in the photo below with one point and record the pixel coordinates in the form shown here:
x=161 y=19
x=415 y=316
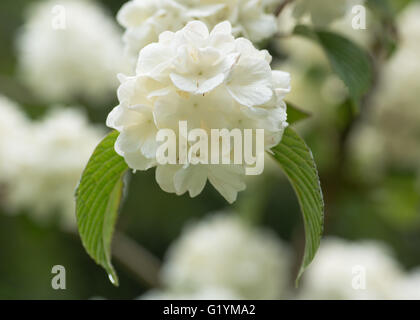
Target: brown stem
x=281 y=7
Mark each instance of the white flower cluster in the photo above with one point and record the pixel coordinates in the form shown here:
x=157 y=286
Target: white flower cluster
x=346 y=270
x=393 y=123
x=409 y=287
x=223 y=258
x=144 y=20
x=323 y=89
x=212 y=81
x=45 y=163
x=69 y=49
x=224 y=252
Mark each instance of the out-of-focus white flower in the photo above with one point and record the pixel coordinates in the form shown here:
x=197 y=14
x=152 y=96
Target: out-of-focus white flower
x=395 y=112
x=210 y=80
x=49 y=164
x=337 y=14
x=202 y=294
x=367 y=147
x=144 y=20
x=13 y=127
x=309 y=64
x=409 y=287
x=321 y=12
x=409 y=27
x=396 y=109
x=68 y=49
x=345 y=270
x=224 y=252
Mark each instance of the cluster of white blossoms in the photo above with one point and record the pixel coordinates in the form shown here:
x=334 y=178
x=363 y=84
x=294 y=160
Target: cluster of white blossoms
x=346 y=270
x=324 y=91
x=46 y=163
x=224 y=252
x=144 y=20
x=222 y=258
x=409 y=287
x=394 y=117
x=212 y=81
x=69 y=49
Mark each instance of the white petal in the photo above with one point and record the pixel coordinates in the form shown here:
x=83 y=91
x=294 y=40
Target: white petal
x=247 y=49
x=228 y=180
x=120 y=117
x=249 y=82
x=193 y=179
x=195 y=31
x=132 y=13
x=128 y=140
x=261 y=28
x=165 y=177
x=205 y=10
x=194 y=85
x=281 y=82
x=153 y=60
x=137 y=161
x=223 y=27
x=113 y=117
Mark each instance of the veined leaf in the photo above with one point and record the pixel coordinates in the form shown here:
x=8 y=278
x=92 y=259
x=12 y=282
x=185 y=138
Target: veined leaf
x=295 y=114
x=297 y=161
x=98 y=198
x=350 y=62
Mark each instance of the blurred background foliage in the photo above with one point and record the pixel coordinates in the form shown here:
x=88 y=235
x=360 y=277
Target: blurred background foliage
x=357 y=206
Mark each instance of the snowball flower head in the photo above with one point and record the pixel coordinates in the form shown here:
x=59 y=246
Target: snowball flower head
x=144 y=20
x=50 y=162
x=68 y=49
x=224 y=252
x=345 y=270
x=396 y=102
x=409 y=287
x=212 y=81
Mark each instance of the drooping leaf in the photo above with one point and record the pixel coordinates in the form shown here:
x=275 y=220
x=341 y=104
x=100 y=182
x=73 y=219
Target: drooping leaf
x=98 y=198
x=350 y=62
x=295 y=114
x=297 y=161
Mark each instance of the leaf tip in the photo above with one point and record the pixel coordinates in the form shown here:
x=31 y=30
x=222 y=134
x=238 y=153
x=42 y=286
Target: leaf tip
x=112 y=276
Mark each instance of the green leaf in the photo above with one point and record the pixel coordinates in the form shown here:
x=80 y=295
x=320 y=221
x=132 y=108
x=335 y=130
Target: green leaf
x=350 y=62
x=98 y=198
x=297 y=161
x=295 y=114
